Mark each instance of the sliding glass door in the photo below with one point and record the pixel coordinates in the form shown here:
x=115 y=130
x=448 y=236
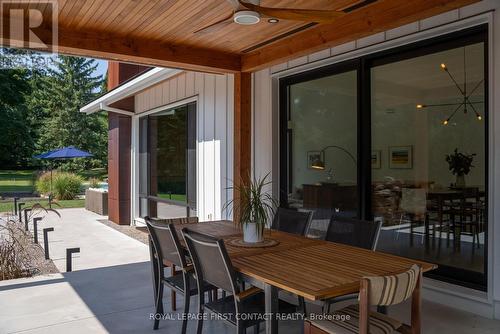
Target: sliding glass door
x=321 y=137
x=167 y=162
x=429 y=146
x=398 y=137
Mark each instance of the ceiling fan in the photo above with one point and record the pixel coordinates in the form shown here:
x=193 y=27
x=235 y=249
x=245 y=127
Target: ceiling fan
x=250 y=12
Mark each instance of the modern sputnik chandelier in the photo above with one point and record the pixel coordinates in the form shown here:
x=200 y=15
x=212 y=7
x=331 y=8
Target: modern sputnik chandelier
x=466 y=103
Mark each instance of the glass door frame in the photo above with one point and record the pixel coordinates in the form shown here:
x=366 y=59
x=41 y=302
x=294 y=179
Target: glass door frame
x=363 y=66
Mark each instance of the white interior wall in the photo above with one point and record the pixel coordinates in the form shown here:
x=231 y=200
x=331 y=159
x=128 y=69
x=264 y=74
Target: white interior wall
x=265 y=150
x=214 y=95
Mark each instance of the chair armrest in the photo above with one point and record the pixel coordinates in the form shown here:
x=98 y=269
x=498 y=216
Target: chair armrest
x=247 y=293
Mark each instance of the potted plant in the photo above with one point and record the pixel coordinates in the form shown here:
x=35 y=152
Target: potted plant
x=255 y=207
x=460 y=165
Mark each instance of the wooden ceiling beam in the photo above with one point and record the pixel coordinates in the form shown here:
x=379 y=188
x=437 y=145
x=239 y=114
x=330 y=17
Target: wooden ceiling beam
x=380 y=16
x=99 y=44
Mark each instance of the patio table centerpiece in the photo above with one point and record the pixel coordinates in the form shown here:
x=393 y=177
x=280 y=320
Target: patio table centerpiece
x=255 y=207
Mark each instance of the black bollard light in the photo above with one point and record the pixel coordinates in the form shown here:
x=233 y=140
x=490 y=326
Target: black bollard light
x=15 y=205
x=19 y=209
x=35 y=228
x=69 y=252
x=46 y=241
x=26 y=222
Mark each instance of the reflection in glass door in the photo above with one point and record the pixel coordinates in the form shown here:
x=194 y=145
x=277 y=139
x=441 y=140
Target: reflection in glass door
x=322 y=144
x=429 y=158
x=167 y=161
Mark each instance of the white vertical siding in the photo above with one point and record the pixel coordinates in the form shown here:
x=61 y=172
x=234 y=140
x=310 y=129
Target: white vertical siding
x=214 y=131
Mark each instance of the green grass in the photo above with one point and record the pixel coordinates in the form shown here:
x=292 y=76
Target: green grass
x=99 y=173
x=16 y=181
x=174 y=197
x=74 y=203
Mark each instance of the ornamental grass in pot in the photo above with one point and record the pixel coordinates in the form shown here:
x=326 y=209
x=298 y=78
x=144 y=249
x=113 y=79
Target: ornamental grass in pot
x=254 y=206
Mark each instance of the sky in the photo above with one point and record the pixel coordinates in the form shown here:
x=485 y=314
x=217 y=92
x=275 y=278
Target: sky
x=102 y=66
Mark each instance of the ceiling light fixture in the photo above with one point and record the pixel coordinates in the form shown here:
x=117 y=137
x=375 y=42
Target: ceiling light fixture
x=246 y=17
x=465 y=103
x=273 y=20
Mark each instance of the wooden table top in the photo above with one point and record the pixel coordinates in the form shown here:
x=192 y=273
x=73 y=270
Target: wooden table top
x=313 y=269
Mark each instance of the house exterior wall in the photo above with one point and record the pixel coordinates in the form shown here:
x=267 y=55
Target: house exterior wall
x=265 y=110
x=119 y=140
x=214 y=96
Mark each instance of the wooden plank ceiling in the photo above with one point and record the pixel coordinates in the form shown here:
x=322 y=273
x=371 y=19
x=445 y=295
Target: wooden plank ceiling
x=163 y=32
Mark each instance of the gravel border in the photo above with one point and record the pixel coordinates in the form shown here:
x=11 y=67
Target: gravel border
x=138 y=233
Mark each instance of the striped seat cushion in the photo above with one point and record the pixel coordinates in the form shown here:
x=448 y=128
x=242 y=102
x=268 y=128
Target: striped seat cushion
x=379 y=323
x=390 y=290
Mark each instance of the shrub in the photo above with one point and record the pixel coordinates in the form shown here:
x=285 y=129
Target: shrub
x=64 y=185
x=94 y=182
x=43 y=183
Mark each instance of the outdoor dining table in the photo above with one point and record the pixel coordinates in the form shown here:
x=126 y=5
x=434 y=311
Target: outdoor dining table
x=310 y=268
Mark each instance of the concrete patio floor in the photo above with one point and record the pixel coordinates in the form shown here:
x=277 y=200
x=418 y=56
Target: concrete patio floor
x=110 y=290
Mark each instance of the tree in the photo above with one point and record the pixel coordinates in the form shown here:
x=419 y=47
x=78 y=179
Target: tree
x=69 y=86
x=16 y=144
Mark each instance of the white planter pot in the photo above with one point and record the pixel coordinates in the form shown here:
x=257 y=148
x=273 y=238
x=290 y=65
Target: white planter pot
x=251 y=233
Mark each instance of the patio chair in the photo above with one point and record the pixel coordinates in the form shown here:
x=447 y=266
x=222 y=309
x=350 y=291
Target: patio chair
x=164 y=247
x=352 y=232
x=292 y=221
x=175 y=221
x=212 y=265
x=379 y=291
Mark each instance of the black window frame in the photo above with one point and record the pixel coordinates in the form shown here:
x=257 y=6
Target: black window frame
x=191 y=129
x=363 y=67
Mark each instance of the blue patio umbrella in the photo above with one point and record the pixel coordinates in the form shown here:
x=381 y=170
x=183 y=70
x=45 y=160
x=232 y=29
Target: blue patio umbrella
x=68 y=152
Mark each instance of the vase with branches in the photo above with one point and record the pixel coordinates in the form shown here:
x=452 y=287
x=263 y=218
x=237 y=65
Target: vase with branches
x=460 y=164
x=254 y=205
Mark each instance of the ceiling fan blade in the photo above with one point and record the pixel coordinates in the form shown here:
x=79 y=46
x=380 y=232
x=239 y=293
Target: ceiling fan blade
x=216 y=26
x=234 y=3
x=307 y=15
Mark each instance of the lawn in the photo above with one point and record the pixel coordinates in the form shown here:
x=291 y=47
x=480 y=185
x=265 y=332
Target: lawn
x=100 y=173
x=18 y=181
x=173 y=197
x=74 y=203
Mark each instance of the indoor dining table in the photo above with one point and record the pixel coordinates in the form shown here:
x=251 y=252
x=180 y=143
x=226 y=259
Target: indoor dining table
x=310 y=268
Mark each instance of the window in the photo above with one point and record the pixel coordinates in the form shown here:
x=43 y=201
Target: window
x=322 y=142
x=167 y=163
x=406 y=116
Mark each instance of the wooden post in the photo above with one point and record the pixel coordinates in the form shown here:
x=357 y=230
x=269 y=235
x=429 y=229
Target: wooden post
x=364 y=307
x=416 y=306
x=242 y=133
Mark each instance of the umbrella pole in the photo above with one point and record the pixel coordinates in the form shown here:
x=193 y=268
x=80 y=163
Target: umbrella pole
x=50 y=193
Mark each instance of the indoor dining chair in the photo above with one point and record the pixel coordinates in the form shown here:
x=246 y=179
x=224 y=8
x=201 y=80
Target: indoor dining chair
x=375 y=291
x=164 y=246
x=413 y=207
x=292 y=221
x=213 y=266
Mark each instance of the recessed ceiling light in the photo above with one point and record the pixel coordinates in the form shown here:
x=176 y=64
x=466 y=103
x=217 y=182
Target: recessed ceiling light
x=273 y=20
x=246 y=17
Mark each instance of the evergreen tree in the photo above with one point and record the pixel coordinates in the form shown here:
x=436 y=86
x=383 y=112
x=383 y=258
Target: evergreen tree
x=16 y=144
x=69 y=86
